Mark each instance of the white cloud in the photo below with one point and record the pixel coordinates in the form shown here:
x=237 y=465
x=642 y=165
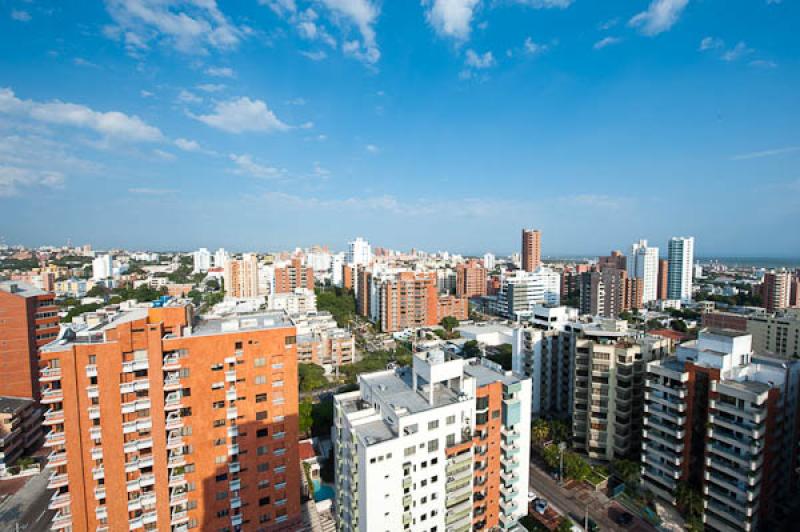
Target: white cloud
x=79 y=61
x=165 y=155
x=479 y=61
x=533 y=48
x=220 y=72
x=608 y=24
x=765 y=153
x=185 y=96
x=319 y=55
x=362 y=14
x=451 y=18
x=711 y=43
x=188 y=26
x=737 y=52
x=13 y=178
x=296 y=101
x=763 y=63
x=110 y=124
x=146 y=94
x=660 y=16
x=20 y=15
x=187 y=145
x=606 y=41
x=211 y=87
x=546 y=4
x=246 y=166
x=242 y=114
x=372 y=148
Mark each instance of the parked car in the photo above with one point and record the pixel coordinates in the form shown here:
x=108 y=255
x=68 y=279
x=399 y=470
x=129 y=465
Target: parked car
x=540 y=505
x=531 y=496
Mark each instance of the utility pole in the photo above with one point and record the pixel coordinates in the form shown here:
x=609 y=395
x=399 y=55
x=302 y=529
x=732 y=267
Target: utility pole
x=586 y=519
x=561 y=447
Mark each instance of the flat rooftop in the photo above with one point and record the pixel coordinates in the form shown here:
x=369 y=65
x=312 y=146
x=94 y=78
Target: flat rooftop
x=485 y=376
x=395 y=389
x=9 y=405
x=22 y=289
x=270 y=319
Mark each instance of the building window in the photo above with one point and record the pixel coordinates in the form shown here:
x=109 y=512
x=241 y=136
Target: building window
x=433 y=445
x=433 y=425
x=260 y=398
x=261 y=415
x=260 y=362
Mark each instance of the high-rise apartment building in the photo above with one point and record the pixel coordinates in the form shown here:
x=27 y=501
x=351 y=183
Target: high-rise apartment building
x=20 y=430
x=28 y=320
x=359 y=252
x=242 y=277
x=161 y=421
x=102 y=267
x=663 y=279
x=221 y=258
x=681 y=268
x=531 y=249
x=521 y=291
x=723 y=421
x=489 y=261
x=440 y=446
x=293 y=275
x=643 y=264
x=616 y=261
x=775 y=334
x=608 y=398
x=201 y=261
x=470 y=279
x=776 y=290
x=603 y=293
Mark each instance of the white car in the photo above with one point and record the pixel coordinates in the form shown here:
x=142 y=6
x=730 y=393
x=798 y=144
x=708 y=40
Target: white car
x=540 y=505
x=531 y=496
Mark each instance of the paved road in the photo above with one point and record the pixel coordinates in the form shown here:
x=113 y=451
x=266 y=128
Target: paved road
x=569 y=502
x=28 y=507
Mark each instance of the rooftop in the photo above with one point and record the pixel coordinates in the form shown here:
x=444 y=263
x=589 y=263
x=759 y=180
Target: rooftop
x=485 y=375
x=270 y=319
x=395 y=389
x=22 y=289
x=9 y=405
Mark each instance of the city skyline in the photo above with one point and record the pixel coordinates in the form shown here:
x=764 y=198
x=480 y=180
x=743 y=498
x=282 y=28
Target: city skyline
x=254 y=125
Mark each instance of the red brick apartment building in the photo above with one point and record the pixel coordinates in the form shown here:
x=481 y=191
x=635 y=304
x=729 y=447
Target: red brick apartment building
x=471 y=279
x=162 y=422
x=28 y=320
x=293 y=275
x=411 y=300
x=531 y=249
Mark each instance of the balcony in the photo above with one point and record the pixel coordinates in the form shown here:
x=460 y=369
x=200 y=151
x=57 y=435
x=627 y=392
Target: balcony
x=177 y=480
x=171 y=363
x=138 y=445
x=172 y=382
x=231 y=413
x=54 y=438
x=52 y=395
x=233 y=449
x=176 y=459
x=53 y=417
x=93 y=391
x=174 y=421
x=134 y=365
x=98 y=472
x=49 y=374
x=57 y=480
x=94 y=412
x=178 y=497
x=230 y=376
x=133 y=406
x=174 y=440
x=236 y=502
x=59 y=500
x=172 y=401
x=56 y=458
x=61 y=521
x=179 y=517
x=234 y=467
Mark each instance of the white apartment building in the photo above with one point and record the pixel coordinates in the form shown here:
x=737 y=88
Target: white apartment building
x=299 y=301
x=337 y=277
x=723 y=420
x=643 y=264
x=102 y=267
x=521 y=291
x=221 y=258
x=201 y=260
x=489 y=261
x=415 y=448
x=681 y=268
x=359 y=252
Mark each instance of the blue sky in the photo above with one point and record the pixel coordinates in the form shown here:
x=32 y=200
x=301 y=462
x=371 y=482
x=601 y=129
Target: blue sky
x=440 y=124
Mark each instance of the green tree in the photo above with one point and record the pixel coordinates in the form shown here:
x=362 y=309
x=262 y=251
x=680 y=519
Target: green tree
x=311 y=377
x=449 y=323
x=690 y=505
x=339 y=302
x=502 y=356
x=559 y=430
x=575 y=467
x=306 y=421
x=552 y=456
x=98 y=290
x=540 y=431
x=564 y=525
x=470 y=349
x=679 y=325
x=628 y=471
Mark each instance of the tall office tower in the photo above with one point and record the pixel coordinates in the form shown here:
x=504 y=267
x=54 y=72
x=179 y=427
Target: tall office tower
x=643 y=264
x=470 y=279
x=603 y=293
x=489 y=261
x=201 y=260
x=221 y=258
x=608 y=398
x=681 y=268
x=723 y=421
x=102 y=267
x=531 y=249
x=438 y=446
x=521 y=291
x=616 y=260
x=159 y=421
x=541 y=350
x=293 y=275
x=242 y=277
x=776 y=290
x=28 y=320
x=359 y=252
x=663 y=279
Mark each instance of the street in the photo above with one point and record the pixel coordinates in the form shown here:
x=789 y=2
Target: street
x=575 y=504
x=27 y=508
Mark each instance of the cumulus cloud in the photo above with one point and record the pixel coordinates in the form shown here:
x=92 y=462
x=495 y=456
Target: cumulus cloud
x=220 y=72
x=245 y=165
x=241 y=115
x=451 y=18
x=185 y=96
x=659 y=17
x=187 y=26
x=479 y=61
x=187 y=145
x=110 y=124
x=13 y=178
x=210 y=87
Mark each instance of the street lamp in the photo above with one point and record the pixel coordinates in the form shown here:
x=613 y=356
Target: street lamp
x=561 y=447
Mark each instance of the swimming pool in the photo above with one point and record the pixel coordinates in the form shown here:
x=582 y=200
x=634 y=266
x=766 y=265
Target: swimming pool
x=323 y=491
